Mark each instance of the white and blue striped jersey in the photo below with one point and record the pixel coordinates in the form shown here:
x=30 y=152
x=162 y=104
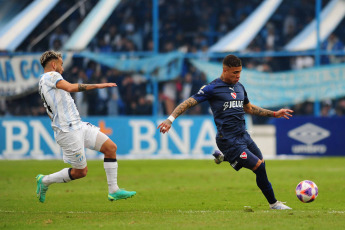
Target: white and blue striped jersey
x=59 y=104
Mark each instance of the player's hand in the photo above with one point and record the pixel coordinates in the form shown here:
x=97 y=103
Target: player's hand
x=164 y=126
x=285 y=113
x=106 y=85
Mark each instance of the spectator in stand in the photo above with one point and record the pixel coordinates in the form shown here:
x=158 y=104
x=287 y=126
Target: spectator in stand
x=129 y=46
x=114 y=100
x=301 y=62
x=103 y=98
x=332 y=44
x=290 y=22
x=307 y=108
x=112 y=37
x=290 y=34
x=340 y=107
x=57 y=45
x=92 y=95
x=327 y=109
x=2 y=107
x=113 y=103
x=90 y=69
x=143 y=107
x=128 y=94
x=59 y=34
x=103 y=47
x=271 y=37
x=186 y=87
x=134 y=36
x=80 y=98
x=168 y=96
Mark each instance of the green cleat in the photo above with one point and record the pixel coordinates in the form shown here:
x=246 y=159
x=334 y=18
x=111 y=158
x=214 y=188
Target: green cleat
x=120 y=194
x=41 y=188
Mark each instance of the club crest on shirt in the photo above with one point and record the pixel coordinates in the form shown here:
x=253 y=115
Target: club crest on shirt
x=233 y=95
x=243 y=155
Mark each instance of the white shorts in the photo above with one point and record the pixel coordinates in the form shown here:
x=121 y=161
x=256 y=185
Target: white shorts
x=73 y=143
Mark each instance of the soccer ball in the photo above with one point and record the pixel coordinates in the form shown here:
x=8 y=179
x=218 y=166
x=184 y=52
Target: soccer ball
x=307 y=191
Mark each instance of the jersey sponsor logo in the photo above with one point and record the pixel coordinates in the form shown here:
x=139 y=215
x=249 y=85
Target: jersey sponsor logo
x=243 y=155
x=232 y=104
x=231 y=88
x=233 y=95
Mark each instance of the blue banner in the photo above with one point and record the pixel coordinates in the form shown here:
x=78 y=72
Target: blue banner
x=136 y=138
x=161 y=67
x=310 y=136
x=288 y=87
x=19 y=74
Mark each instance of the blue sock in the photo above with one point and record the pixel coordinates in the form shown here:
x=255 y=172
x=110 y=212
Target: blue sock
x=264 y=184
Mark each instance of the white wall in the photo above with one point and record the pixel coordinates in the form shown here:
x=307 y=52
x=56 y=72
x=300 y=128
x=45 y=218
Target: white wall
x=265 y=138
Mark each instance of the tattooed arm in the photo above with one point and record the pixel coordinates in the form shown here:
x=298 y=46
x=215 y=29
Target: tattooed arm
x=181 y=108
x=65 y=85
x=256 y=110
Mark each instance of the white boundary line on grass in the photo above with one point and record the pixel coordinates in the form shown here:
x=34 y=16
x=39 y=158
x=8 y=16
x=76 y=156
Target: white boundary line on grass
x=180 y=211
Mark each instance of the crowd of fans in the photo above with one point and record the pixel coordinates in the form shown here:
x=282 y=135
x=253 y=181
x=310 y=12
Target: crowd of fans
x=186 y=25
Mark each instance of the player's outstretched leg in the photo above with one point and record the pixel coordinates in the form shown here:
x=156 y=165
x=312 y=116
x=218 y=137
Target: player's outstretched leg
x=121 y=194
x=279 y=205
x=266 y=187
x=62 y=176
x=218 y=156
x=41 y=188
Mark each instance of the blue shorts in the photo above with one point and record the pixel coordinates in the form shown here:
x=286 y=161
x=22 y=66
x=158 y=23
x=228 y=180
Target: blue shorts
x=240 y=151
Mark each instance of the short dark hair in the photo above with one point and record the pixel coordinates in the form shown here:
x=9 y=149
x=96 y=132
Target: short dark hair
x=48 y=56
x=232 y=61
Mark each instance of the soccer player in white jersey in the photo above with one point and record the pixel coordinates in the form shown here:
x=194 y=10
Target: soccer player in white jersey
x=71 y=133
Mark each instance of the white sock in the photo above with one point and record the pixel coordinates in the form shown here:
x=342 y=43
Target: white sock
x=58 y=177
x=111 y=172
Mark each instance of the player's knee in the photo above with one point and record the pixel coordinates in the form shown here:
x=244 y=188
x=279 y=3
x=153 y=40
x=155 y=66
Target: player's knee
x=109 y=147
x=257 y=165
x=113 y=148
x=110 y=150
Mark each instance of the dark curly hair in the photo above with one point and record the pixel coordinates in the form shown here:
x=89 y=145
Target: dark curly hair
x=232 y=61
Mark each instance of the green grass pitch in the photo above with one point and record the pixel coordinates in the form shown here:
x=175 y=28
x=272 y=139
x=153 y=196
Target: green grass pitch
x=173 y=194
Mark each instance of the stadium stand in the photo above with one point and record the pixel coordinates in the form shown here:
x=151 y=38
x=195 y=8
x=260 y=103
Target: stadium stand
x=189 y=26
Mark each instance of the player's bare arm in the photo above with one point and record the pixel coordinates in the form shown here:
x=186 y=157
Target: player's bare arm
x=256 y=110
x=181 y=108
x=65 y=85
